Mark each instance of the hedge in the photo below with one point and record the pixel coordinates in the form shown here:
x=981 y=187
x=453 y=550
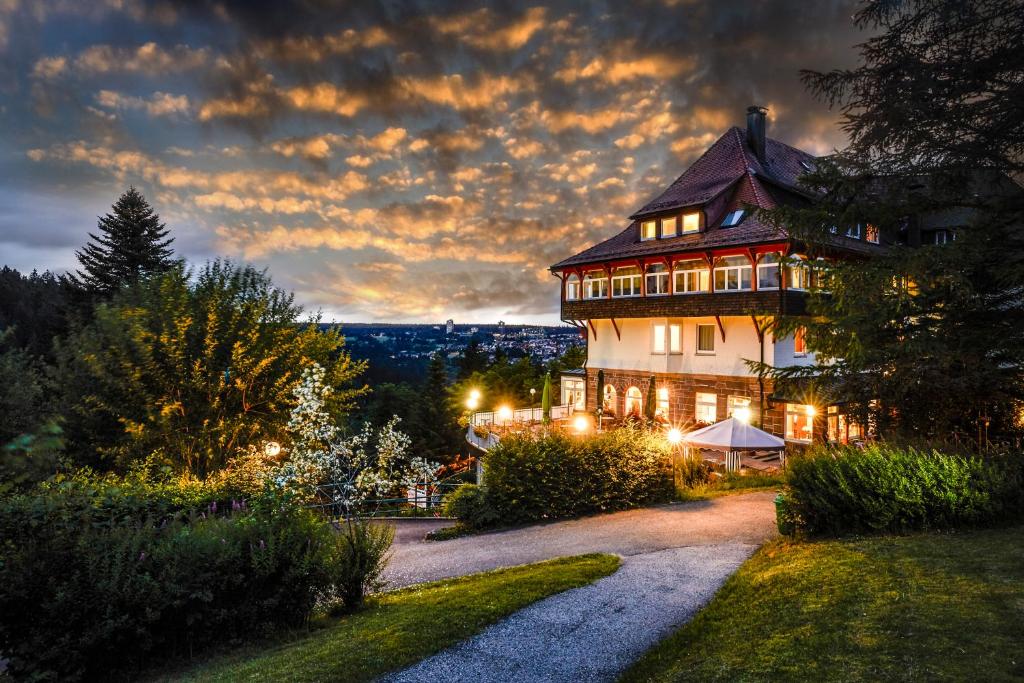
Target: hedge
x=888 y=489
x=551 y=475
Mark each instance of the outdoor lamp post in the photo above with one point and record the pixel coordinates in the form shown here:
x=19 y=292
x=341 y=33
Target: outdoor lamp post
x=675 y=437
x=581 y=424
x=505 y=415
x=272 y=449
x=473 y=402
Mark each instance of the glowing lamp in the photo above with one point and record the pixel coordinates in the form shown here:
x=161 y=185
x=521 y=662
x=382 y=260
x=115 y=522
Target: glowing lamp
x=504 y=413
x=272 y=449
x=742 y=414
x=474 y=394
x=811 y=411
x=581 y=424
x=674 y=436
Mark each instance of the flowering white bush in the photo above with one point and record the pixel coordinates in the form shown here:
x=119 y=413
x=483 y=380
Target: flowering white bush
x=345 y=471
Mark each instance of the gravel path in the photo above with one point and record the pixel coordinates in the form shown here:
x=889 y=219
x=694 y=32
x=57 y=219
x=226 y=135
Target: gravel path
x=674 y=558
x=746 y=519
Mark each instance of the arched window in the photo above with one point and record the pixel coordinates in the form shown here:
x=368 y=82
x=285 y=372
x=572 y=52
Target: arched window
x=608 y=401
x=657 y=279
x=572 y=288
x=768 y=271
x=595 y=285
x=691 y=277
x=634 y=403
x=732 y=274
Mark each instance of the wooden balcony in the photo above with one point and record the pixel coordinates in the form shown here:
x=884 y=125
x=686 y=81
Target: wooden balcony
x=768 y=302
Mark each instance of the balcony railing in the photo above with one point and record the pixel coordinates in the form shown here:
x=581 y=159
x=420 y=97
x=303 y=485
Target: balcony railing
x=521 y=416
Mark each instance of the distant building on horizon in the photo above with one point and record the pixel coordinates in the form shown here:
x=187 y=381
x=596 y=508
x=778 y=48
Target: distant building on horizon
x=449 y=327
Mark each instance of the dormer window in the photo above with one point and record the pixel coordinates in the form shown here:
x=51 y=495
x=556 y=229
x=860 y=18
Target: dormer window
x=733 y=218
x=648 y=230
x=670 y=226
x=691 y=222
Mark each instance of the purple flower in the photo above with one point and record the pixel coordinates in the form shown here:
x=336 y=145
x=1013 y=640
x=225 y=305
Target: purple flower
x=213 y=507
x=142 y=556
x=262 y=544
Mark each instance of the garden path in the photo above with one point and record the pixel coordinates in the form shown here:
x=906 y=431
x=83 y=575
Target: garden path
x=674 y=558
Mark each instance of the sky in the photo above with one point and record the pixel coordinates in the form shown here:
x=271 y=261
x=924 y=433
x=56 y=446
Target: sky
x=393 y=161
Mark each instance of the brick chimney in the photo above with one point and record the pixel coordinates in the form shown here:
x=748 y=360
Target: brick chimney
x=756 y=125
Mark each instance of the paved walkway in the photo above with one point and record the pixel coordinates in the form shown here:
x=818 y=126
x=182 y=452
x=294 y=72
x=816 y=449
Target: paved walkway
x=674 y=559
x=747 y=519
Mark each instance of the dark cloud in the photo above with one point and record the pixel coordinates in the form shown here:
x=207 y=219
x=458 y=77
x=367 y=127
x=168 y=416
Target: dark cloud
x=446 y=151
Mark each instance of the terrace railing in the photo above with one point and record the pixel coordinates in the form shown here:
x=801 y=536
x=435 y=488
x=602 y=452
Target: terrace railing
x=522 y=416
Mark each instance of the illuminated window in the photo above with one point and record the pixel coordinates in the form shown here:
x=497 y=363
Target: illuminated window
x=799 y=274
x=669 y=226
x=608 y=400
x=634 y=402
x=768 y=271
x=734 y=402
x=733 y=218
x=661 y=410
x=705 y=338
x=707 y=408
x=573 y=393
x=691 y=277
x=691 y=222
x=648 y=230
x=657 y=280
x=626 y=282
x=572 y=288
x=595 y=286
x=675 y=338
x=799 y=342
x=658 y=338
x=871 y=233
x=799 y=422
x=732 y=274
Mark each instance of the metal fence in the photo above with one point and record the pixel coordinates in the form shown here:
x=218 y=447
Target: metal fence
x=521 y=416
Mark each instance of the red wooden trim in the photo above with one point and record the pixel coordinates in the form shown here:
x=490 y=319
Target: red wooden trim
x=618 y=333
x=592 y=328
x=721 y=327
x=758 y=329
x=686 y=255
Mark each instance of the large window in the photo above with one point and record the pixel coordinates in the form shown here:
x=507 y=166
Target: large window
x=657 y=279
x=691 y=277
x=675 y=338
x=705 y=339
x=799 y=274
x=572 y=288
x=658 y=338
x=574 y=392
x=670 y=226
x=691 y=222
x=626 y=282
x=871 y=233
x=706 y=408
x=595 y=286
x=648 y=230
x=768 y=271
x=799 y=422
x=732 y=274
x=661 y=410
x=634 y=403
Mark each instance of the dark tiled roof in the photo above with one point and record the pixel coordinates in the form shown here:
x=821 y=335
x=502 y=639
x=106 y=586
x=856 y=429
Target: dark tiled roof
x=729 y=165
x=722 y=164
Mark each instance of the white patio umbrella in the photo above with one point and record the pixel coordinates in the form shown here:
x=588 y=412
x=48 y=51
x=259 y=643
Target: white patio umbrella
x=733 y=436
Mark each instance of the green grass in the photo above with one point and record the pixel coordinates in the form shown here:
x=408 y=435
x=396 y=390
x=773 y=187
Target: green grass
x=400 y=628
x=730 y=484
x=936 y=606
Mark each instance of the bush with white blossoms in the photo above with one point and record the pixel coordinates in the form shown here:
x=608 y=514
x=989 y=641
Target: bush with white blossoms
x=325 y=467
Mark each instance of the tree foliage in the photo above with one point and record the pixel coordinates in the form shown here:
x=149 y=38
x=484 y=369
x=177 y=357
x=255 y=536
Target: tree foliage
x=920 y=339
x=131 y=243
x=193 y=367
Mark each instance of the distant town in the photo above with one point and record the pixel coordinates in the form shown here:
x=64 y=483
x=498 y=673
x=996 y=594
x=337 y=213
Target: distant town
x=398 y=352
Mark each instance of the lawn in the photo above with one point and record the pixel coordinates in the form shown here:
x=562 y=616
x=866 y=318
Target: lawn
x=400 y=628
x=934 y=606
x=732 y=483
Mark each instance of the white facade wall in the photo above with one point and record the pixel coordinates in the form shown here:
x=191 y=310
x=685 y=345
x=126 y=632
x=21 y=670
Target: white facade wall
x=635 y=349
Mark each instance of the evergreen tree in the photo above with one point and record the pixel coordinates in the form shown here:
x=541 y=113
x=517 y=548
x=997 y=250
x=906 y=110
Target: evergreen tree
x=921 y=340
x=651 y=404
x=440 y=438
x=131 y=243
x=473 y=359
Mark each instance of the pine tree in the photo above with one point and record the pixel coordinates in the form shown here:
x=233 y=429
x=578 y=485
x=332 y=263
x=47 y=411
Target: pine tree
x=131 y=243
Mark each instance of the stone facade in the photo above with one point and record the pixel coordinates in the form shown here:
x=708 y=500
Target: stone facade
x=682 y=395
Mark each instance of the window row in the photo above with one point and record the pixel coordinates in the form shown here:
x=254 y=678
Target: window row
x=730 y=274
x=670 y=226
x=668 y=338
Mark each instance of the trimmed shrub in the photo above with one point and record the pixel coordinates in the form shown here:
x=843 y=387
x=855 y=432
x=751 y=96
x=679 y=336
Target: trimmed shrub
x=359 y=559
x=468 y=503
x=551 y=475
x=97 y=579
x=887 y=489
